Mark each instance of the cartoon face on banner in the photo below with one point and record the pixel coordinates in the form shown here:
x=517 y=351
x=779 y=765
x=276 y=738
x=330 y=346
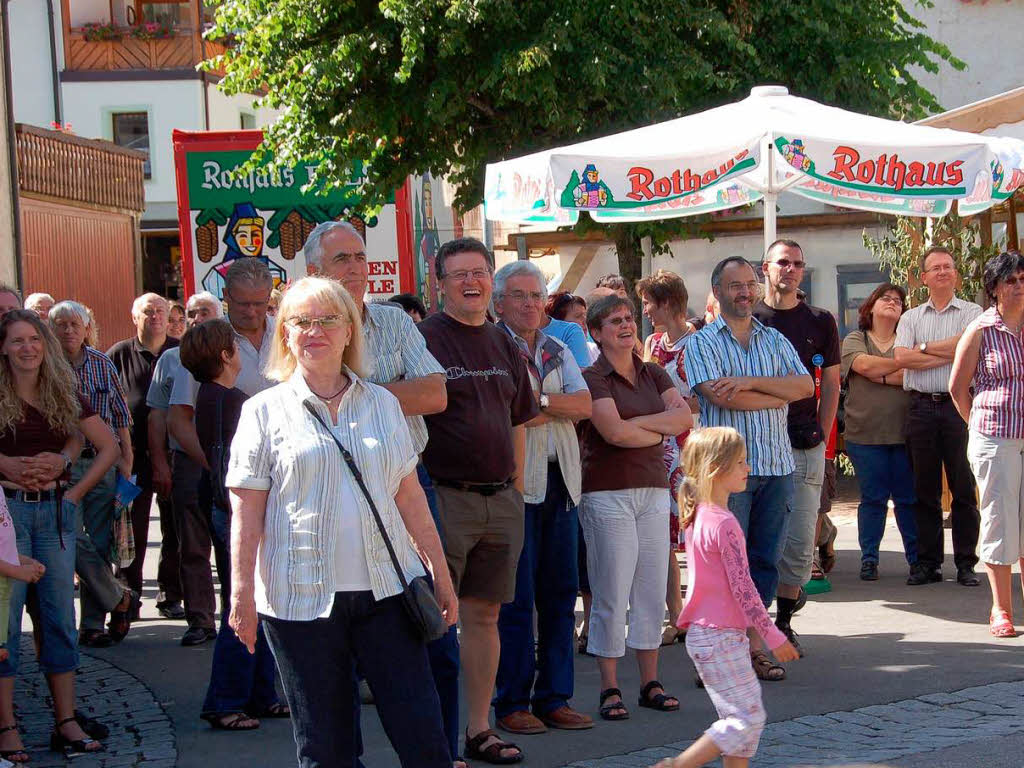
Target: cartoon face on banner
x=265 y=215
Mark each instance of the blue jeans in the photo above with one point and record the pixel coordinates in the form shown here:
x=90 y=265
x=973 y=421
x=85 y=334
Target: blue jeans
x=762 y=511
x=443 y=652
x=317 y=661
x=884 y=472
x=35 y=525
x=239 y=681
x=546 y=578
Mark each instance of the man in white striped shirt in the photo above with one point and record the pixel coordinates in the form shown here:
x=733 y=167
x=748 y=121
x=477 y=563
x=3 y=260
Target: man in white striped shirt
x=745 y=375
x=926 y=339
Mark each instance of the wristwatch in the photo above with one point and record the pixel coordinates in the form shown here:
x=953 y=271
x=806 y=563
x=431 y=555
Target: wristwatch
x=544 y=401
x=923 y=346
x=67 y=461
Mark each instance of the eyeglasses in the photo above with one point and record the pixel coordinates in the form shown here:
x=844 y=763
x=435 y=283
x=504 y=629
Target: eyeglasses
x=891 y=300
x=786 y=264
x=326 y=322
x=621 y=320
x=520 y=296
x=1013 y=280
x=464 y=274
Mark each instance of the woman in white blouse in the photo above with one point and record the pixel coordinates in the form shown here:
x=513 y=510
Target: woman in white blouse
x=307 y=556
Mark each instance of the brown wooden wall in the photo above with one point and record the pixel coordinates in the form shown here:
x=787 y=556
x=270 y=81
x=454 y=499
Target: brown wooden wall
x=85 y=255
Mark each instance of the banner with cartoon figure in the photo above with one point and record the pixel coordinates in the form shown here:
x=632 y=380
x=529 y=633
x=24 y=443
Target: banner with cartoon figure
x=267 y=216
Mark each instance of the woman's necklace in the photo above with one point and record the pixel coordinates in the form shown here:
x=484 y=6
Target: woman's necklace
x=882 y=343
x=328 y=399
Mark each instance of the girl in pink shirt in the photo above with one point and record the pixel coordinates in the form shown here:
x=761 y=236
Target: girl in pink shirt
x=722 y=602
x=12 y=566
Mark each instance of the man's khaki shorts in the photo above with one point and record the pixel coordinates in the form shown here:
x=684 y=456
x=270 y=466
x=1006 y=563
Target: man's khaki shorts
x=483 y=536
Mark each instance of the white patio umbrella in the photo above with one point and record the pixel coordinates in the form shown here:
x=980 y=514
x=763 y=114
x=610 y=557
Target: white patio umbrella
x=752 y=150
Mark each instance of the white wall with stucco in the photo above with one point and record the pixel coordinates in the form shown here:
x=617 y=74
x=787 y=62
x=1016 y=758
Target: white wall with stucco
x=32 y=62
x=982 y=34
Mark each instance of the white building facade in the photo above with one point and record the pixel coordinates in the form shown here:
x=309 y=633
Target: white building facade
x=134 y=92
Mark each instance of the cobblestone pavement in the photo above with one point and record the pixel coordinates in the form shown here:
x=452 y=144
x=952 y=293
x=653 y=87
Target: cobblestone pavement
x=871 y=734
x=141 y=733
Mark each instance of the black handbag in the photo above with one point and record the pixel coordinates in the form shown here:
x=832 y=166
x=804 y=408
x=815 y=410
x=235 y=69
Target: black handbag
x=218 y=458
x=417 y=595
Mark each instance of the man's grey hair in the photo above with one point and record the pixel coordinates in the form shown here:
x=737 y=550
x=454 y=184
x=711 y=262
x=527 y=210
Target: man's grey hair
x=70 y=309
x=247 y=270
x=518 y=269
x=34 y=297
x=140 y=300
x=313 y=249
x=209 y=298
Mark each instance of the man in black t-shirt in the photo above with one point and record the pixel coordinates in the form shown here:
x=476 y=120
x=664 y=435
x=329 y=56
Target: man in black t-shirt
x=813 y=333
x=475 y=455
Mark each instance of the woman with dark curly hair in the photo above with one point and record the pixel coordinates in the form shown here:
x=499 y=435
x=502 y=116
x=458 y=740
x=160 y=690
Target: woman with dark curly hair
x=876 y=409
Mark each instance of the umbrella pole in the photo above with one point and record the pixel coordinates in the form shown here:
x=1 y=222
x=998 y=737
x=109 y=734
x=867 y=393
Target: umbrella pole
x=770 y=220
x=646 y=262
x=771 y=197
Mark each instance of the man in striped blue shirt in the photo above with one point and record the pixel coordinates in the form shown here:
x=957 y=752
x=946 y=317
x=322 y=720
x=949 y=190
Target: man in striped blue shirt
x=745 y=375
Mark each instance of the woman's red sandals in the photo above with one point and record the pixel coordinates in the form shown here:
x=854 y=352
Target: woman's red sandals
x=1000 y=624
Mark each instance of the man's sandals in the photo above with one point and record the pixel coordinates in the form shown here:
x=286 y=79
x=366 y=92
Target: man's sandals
x=659 y=701
x=765 y=668
x=492 y=753
x=614 y=711
x=232 y=721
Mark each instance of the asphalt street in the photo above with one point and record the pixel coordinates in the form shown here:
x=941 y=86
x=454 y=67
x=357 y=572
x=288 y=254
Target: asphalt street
x=867 y=644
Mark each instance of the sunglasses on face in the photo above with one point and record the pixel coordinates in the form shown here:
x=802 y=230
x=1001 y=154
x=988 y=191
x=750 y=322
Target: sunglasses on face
x=326 y=322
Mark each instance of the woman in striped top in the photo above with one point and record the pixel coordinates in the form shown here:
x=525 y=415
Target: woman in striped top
x=306 y=553
x=991 y=356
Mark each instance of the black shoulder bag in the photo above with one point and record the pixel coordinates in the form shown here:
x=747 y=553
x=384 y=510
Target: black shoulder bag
x=219 y=460
x=417 y=595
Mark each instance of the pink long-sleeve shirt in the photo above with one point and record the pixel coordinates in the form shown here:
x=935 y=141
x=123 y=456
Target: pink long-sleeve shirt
x=720 y=592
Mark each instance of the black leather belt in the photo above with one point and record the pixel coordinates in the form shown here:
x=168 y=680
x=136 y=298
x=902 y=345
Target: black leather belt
x=935 y=397
x=484 y=489
x=31 y=497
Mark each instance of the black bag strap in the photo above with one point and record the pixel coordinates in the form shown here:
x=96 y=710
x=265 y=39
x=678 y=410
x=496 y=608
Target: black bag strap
x=366 y=494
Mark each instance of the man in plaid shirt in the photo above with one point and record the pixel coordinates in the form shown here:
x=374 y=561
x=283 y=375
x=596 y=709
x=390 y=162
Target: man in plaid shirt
x=100 y=385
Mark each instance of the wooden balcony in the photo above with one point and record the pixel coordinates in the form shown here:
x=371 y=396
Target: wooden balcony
x=58 y=166
x=182 y=52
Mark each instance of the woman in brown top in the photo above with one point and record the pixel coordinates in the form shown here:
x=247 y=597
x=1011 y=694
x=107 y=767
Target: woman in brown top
x=876 y=409
x=625 y=504
x=40 y=418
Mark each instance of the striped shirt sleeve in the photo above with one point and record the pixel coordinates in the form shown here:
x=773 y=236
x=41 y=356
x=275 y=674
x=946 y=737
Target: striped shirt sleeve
x=249 y=466
x=121 y=417
x=906 y=331
x=417 y=359
x=701 y=361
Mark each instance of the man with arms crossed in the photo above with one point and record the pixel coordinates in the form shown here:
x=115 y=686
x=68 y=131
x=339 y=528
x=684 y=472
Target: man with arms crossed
x=926 y=339
x=745 y=374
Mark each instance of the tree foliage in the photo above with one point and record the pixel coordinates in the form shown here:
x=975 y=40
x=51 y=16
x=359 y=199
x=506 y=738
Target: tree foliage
x=450 y=85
